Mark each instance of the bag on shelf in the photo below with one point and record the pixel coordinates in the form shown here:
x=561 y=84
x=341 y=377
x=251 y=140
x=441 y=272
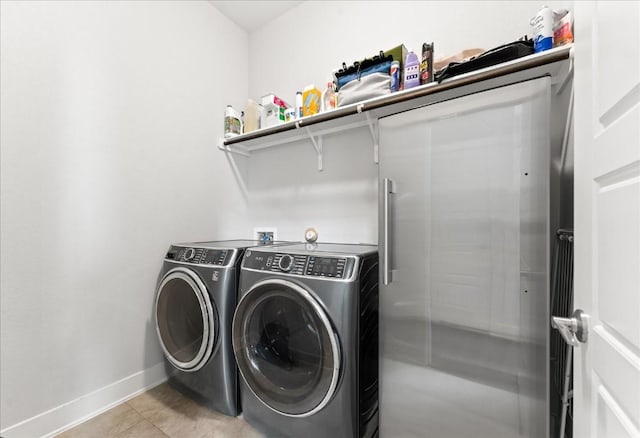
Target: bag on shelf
x=364 y=80
x=497 y=55
x=367 y=87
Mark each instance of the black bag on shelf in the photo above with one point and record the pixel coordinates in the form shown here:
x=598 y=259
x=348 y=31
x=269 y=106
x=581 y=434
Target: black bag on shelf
x=507 y=52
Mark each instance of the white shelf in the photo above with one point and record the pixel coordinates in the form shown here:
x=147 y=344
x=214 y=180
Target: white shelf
x=313 y=133
x=315 y=128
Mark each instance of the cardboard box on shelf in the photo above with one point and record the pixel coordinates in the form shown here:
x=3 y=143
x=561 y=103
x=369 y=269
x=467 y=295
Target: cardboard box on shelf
x=311 y=100
x=272 y=115
x=399 y=54
x=272 y=99
x=272 y=111
x=458 y=57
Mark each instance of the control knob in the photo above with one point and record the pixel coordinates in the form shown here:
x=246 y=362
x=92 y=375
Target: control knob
x=286 y=263
x=189 y=254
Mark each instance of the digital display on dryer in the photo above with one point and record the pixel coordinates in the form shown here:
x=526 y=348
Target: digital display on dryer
x=326 y=267
x=214 y=257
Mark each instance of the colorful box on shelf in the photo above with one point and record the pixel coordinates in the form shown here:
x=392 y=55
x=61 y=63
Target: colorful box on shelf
x=311 y=101
x=399 y=54
x=272 y=99
x=273 y=109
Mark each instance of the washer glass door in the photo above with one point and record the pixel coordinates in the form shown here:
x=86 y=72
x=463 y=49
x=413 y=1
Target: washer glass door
x=184 y=319
x=286 y=349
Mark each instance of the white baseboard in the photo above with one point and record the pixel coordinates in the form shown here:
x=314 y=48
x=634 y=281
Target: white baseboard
x=70 y=414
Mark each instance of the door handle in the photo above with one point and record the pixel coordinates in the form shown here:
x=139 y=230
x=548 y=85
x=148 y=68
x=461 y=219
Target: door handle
x=574 y=330
x=387 y=189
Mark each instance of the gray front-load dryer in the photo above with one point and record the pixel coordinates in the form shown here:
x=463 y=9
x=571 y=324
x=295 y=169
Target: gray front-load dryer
x=196 y=296
x=305 y=337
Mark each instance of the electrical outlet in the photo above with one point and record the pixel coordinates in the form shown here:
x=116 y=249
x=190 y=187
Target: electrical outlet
x=265 y=234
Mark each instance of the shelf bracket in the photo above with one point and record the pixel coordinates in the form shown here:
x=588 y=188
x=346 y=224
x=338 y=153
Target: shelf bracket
x=317 y=145
x=373 y=129
x=229 y=154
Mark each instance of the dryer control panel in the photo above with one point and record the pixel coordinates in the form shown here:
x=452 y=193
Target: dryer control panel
x=299 y=264
x=199 y=256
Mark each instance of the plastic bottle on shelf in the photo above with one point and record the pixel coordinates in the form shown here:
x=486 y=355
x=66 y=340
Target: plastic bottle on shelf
x=298 y=105
x=411 y=71
x=251 y=116
x=328 y=99
x=232 y=122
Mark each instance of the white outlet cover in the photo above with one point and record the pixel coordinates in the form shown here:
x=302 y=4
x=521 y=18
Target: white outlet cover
x=258 y=230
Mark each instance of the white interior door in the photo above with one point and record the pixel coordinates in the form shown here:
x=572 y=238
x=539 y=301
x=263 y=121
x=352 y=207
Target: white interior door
x=607 y=218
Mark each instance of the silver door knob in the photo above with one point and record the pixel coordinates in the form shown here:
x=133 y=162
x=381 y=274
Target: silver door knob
x=574 y=330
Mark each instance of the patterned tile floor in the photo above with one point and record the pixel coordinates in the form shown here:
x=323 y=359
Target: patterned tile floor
x=160 y=413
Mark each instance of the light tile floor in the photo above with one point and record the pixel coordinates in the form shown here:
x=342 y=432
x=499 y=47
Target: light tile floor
x=160 y=413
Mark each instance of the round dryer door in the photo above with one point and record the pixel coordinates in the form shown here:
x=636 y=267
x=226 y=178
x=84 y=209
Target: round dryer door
x=286 y=349
x=185 y=319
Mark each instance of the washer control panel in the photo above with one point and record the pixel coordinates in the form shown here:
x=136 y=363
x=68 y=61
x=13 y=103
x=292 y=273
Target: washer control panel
x=299 y=264
x=199 y=256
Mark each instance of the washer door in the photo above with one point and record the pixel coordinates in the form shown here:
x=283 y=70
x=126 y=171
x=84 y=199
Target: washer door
x=185 y=319
x=286 y=349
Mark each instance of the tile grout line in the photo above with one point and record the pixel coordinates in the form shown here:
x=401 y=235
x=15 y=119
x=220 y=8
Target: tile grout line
x=134 y=424
x=147 y=419
x=144 y=419
x=158 y=429
x=137 y=411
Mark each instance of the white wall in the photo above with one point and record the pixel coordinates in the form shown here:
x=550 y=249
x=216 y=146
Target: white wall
x=304 y=46
x=109 y=116
x=287 y=191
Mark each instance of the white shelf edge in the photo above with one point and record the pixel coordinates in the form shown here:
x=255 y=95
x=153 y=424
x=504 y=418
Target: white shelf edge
x=362 y=111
